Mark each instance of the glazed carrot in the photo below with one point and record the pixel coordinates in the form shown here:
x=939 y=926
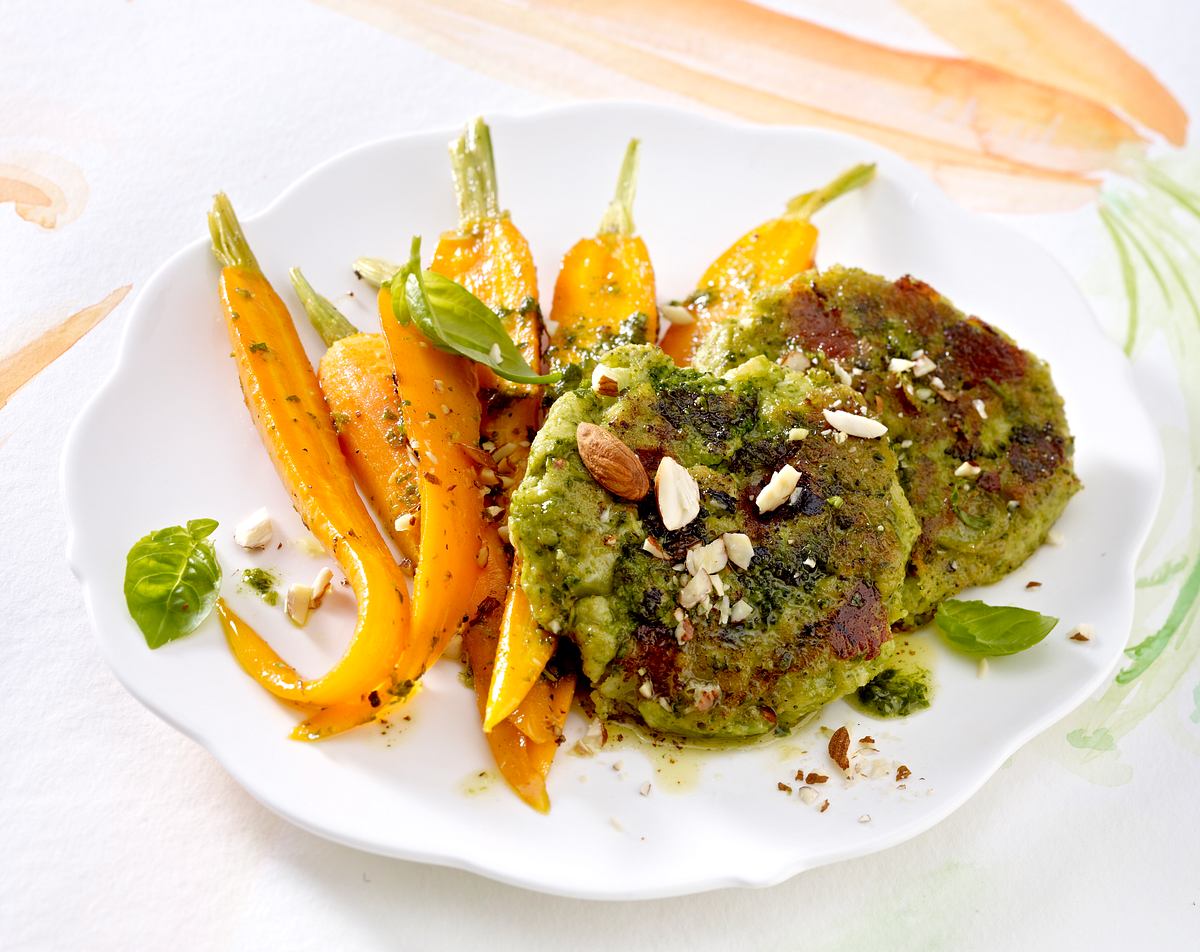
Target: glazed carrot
x=327 y=722
x=523 y=762
x=487 y=254
x=490 y=257
x=543 y=712
x=764 y=256
x=355 y=374
x=285 y=402
x=440 y=411
x=521 y=654
x=605 y=289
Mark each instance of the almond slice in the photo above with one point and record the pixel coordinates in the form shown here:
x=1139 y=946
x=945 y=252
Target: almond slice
x=854 y=425
x=677 y=493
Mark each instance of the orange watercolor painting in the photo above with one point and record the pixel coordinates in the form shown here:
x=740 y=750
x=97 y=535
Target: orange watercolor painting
x=43 y=189
x=1000 y=130
x=19 y=368
x=1048 y=41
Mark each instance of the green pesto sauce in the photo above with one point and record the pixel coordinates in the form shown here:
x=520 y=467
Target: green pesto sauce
x=904 y=687
x=262 y=583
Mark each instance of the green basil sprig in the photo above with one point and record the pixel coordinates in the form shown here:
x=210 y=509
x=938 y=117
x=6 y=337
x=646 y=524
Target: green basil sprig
x=988 y=630
x=456 y=321
x=171 y=580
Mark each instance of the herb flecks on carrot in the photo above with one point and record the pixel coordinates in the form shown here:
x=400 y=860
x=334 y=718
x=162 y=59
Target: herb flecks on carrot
x=487 y=254
x=522 y=651
x=764 y=256
x=376 y=706
x=524 y=762
x=604 y=294
x=355 y=375
x=285 y=402
x=440 y=413
x=491 y=258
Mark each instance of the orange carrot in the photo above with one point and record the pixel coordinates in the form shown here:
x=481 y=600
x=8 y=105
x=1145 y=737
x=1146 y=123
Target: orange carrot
x=605 y=289
x=764 y=256
x=285 y=401
x=488 y=255
x=440 y=411
x=523 y=762
x=543 y=712
x=355 y=374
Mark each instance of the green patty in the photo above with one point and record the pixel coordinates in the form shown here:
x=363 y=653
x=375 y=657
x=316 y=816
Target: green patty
x=826 y=566
x=986 y=402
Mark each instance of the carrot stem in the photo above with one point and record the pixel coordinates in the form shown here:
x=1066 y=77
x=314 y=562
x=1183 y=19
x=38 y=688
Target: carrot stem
x=473 y=164
x=806 y=205
x=618 y=217
x=375 y=271
x=229 y=242
x=330 y=323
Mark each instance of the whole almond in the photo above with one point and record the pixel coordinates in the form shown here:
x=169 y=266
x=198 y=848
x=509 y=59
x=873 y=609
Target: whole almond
x=612 y=464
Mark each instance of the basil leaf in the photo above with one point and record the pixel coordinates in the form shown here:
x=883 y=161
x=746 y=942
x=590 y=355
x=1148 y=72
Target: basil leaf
x=171 y=580
x=455 y=320
x=987 y=630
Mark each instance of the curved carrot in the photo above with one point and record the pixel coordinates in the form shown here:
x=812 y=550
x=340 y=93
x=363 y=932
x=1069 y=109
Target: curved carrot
x=440 y=411
x=764 y=256
x=355 y=374
x=522 y=650
x=285 y=401
x=523 y=762
x=543 y=712
x=376 y=706
x=491 y=258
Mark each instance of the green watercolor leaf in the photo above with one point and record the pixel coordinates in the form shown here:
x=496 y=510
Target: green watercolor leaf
x=1146 y=651
x=983 y=630
x=1099 y=739
x=456 y=321
x=171 y=580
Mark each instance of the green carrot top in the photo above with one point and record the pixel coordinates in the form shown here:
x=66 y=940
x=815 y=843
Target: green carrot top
x=330 y=323
x=473 y=165
x=229 y=242
x=806 y=205
x=618 y=218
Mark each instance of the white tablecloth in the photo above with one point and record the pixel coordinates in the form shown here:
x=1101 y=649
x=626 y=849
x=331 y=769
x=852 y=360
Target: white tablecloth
x=119 y=833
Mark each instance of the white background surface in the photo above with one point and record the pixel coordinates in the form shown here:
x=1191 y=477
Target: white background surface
x=119 y=833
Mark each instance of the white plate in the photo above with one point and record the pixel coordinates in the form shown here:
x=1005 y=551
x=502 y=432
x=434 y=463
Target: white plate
x=168 y=439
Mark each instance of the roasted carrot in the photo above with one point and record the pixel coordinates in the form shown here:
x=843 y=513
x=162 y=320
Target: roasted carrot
x=285 y=402
x=355 y=374
x=604 y=294
x=487 y=254
x=521 y=654
x=338 y=718
x=490 y=257
x=523 y=762
x=542 y=713
x=440 y=411
x=764 y=256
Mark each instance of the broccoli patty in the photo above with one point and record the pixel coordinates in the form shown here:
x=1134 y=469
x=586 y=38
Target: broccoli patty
x=978 y=427
x=739 y=621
